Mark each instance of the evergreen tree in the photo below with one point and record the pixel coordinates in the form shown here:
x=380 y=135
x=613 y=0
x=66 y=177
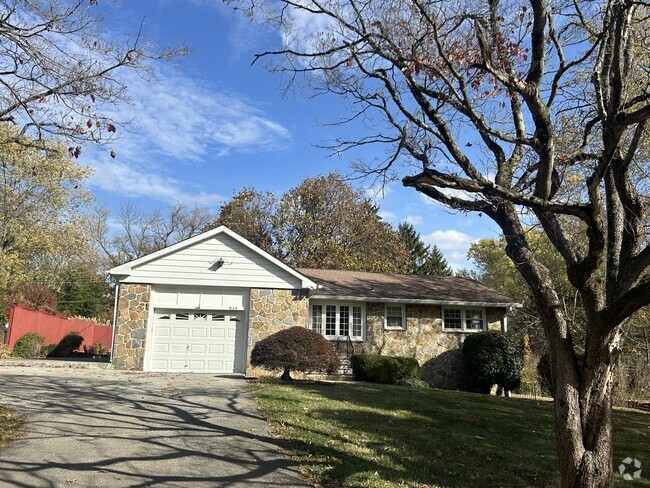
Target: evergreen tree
x=418 y=250
x=422 y=258
x=436 y=264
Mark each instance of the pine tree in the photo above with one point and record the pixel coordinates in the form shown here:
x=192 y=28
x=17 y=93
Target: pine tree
x=423 y=259
x=418 y=250
x=436 y=264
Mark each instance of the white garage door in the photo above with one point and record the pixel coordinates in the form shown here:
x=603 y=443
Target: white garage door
x=197 y=341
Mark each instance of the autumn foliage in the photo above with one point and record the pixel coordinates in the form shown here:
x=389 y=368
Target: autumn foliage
x=296 y=349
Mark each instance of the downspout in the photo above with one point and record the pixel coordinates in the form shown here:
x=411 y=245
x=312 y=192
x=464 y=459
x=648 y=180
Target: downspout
x=117 y=293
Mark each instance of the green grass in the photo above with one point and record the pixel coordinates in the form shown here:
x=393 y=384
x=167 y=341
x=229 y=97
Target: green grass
x=11 y=425
x=368 y=435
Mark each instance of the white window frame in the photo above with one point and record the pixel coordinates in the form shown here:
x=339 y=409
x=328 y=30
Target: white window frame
x=463 y=319
x=338 y=305
x=394 y=327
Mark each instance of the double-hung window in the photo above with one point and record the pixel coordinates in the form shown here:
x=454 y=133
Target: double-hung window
x=335 y=320
x=457 y=319
x=395 y=317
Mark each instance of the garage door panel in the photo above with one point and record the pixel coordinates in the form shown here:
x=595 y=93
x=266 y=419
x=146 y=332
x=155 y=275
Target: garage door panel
x=216 y=349
x=210 y=342
x=181 y=331
x=198 y=348
x=177 y=348
x=161 y=331
x=217 y=333
x=160 y=348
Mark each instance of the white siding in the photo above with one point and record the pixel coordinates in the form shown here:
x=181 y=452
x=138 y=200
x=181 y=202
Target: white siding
x=242 y=268
x=196 y=297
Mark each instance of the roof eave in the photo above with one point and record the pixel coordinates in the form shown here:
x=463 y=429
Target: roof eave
x=417 y=301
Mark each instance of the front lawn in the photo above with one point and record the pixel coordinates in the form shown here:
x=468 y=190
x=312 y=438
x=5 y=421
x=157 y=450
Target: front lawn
x=374 y=435
x=11 y=425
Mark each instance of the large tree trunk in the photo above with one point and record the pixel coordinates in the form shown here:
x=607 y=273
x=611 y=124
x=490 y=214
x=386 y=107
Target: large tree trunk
x=583 y=424
x=582 y=395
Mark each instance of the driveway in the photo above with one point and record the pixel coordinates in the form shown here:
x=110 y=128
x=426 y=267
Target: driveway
x=103 y=428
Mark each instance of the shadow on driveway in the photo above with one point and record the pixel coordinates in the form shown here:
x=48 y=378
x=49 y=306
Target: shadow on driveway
x=107 y=428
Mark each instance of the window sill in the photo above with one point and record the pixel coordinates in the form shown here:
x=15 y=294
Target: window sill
x=462 y=331
x=393 y=328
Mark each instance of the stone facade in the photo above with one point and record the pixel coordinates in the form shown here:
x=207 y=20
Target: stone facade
x=272 y=311
x=439 y=353
x=131 y=326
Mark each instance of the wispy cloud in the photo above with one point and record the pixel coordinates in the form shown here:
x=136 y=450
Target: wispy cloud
x=183 y=118
x=120 y=177
x=175 y=121
x=414 y=220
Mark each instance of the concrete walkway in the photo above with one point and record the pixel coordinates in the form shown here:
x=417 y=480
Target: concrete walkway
x=103 y=428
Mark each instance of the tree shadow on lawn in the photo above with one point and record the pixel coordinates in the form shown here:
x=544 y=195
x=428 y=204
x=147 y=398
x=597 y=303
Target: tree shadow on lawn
x=117 y=430
x=420 y=436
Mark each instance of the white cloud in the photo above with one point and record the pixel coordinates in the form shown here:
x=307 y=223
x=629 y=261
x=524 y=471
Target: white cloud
x=379 y=190
x=181 y=118
x=448 y=240
x=176 y=121
x=414 y=219
x=453 y=244
x=122 y=178
x=387 y=215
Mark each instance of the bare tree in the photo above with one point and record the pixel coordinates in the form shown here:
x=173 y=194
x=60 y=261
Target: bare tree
x=60 y=74
x=135 y=233
x=530 y=112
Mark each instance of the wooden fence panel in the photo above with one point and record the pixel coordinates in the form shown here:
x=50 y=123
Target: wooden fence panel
x=23 y=319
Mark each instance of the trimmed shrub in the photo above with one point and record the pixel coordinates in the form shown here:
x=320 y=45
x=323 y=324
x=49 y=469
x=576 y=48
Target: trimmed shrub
x=384 y=369
x=67 y=345
x=29 y=345
x=46 y=350
x=295 y=348
x=492 y=358
x=413 y=383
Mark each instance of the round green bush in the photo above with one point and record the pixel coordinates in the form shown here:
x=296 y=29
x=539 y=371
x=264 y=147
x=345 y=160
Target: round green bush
x=295 y=348
x=29 y=345
x=492 y=358
x=67 y=345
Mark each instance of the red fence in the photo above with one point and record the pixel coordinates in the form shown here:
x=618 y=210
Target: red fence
x=23 y=319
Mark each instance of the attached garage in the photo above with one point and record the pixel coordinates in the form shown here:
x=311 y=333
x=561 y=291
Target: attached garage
x=187 y=308
x=210 y=341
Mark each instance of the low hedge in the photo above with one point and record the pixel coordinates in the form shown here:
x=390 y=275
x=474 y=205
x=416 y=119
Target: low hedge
x=384 y=369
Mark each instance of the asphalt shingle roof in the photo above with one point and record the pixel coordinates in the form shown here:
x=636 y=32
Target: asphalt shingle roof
x=403 y=287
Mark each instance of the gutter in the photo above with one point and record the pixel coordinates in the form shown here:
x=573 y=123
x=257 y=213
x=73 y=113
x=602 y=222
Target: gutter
x=415 y=301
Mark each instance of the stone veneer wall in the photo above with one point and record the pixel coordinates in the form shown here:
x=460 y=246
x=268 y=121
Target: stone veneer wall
x=272 y=311
x=131 y=326
x=439 y=353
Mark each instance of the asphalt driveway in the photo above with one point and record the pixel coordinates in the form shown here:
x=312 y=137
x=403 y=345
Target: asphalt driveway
x=103 y=428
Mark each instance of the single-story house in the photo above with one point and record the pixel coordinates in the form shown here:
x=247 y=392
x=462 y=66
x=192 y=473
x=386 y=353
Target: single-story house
x=202 y=304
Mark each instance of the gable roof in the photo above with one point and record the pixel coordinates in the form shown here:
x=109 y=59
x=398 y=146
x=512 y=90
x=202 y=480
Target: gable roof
x=382 y=287
x=126 y=268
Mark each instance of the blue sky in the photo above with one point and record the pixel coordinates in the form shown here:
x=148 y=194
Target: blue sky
x=213 y=124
